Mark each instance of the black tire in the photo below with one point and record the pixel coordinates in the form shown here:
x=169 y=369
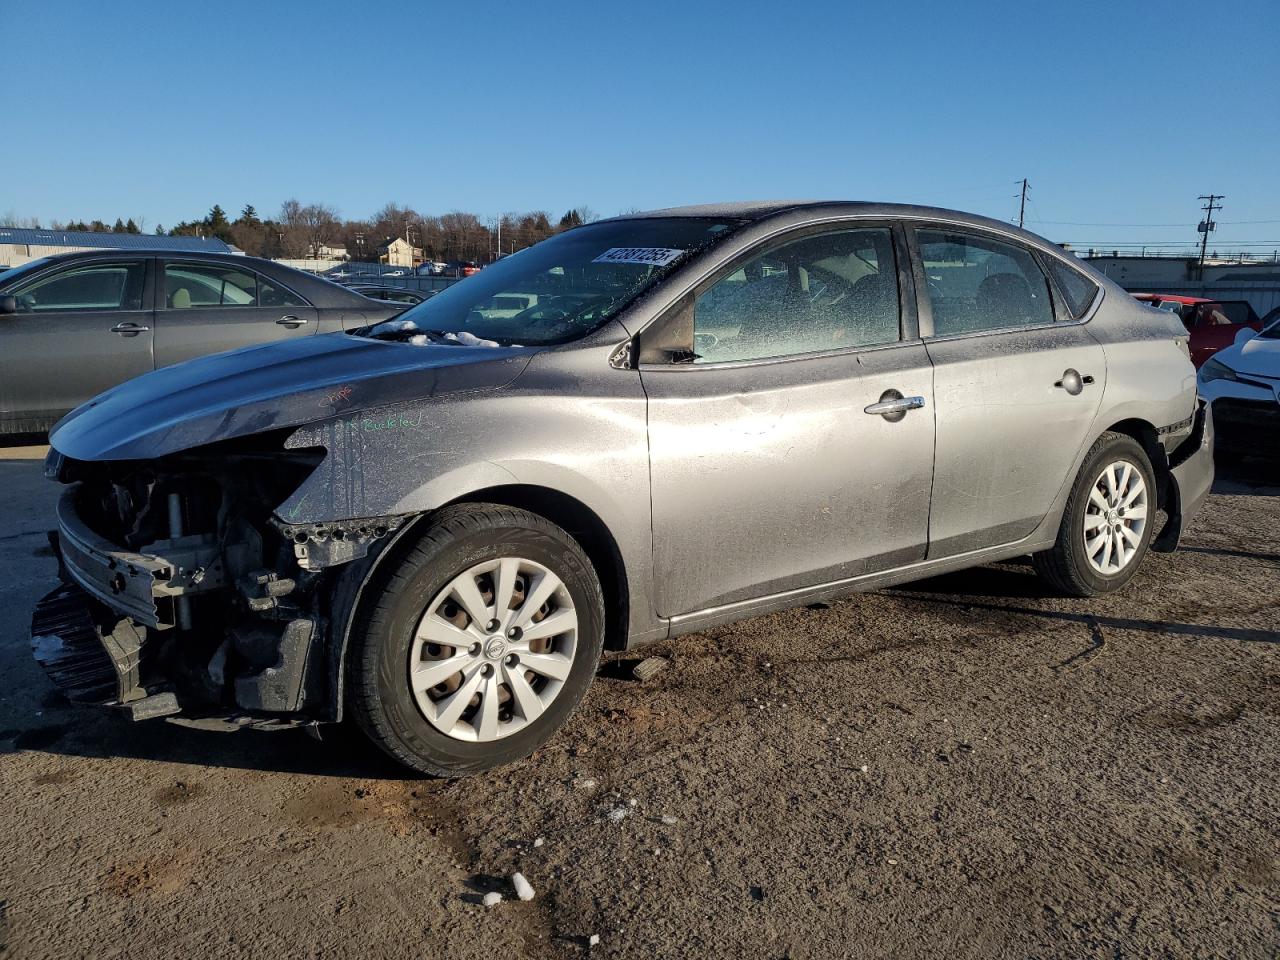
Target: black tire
x=456 y=539
x=1066 y=565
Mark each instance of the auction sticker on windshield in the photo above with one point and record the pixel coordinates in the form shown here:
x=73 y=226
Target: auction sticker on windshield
x=652 y=256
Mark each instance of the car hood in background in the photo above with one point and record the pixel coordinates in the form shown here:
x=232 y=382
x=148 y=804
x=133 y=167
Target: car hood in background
x=1258 y=355
x=284 y=384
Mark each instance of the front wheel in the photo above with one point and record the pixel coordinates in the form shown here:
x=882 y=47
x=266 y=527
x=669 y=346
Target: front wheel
x=1108 y=521
x=481 y=642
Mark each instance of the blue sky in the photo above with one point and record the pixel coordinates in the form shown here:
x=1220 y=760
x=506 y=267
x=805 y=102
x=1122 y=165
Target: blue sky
x=1118 y=113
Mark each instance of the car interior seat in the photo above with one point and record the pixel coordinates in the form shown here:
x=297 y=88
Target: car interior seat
x=180 y=299
x=1006 y=294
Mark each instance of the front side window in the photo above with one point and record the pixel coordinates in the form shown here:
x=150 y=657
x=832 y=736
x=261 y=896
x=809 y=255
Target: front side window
x=98 y=286
x=204 y=285
x=1077 y=289
x=977 y=284
x=830 y=291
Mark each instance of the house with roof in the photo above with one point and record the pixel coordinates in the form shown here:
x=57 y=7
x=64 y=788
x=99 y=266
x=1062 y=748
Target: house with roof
x=399 y=252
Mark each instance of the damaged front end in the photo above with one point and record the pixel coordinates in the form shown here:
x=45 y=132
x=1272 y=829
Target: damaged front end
x=182 y=593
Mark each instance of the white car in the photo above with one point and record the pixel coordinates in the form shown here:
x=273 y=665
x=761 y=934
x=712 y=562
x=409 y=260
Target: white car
x=1242 y=383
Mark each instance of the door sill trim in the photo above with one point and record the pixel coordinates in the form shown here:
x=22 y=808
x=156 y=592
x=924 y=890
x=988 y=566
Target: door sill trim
x=741 y=609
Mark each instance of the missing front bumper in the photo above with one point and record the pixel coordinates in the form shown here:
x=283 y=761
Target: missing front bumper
x=92 y=656
x=142 y=586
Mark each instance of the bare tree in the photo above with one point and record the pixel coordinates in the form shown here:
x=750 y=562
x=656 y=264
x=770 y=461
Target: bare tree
x=291 y=230
x=320 y=225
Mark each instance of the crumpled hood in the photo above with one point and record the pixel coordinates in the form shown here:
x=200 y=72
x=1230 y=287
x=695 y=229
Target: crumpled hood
x=1258 y=355
x=267 y=387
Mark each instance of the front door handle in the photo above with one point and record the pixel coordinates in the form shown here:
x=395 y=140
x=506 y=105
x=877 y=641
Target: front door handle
x=893 y=406
x=1073 y=382
x=128 y=329
x=291 y=322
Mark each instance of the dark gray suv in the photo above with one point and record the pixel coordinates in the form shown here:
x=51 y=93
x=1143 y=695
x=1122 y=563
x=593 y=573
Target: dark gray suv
x=74 y=325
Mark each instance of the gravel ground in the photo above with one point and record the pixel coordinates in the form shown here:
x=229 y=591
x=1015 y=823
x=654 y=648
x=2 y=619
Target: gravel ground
x=967 y=767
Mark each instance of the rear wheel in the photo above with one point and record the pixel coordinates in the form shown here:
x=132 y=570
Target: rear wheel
x=1107 y=525
x=480 y=644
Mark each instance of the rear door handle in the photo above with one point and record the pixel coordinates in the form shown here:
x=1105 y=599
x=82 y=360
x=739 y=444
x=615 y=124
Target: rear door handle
x=1073 y=382
x=291 y=322
x=893 y=406
x=128 y=329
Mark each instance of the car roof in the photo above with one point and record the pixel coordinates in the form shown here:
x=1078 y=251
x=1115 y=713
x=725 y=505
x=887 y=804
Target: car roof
x=760 y=210
x=321 y=291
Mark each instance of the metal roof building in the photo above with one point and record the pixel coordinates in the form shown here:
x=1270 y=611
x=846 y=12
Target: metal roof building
x=18 y=245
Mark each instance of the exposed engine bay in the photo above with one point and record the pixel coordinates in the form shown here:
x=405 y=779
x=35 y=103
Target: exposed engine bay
x=205 y=603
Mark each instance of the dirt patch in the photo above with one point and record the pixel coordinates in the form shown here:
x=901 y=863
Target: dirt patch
x=176 y=794
x=140 y=877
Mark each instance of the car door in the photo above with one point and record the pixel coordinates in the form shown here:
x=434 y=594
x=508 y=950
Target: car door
x=772 y=467
x=1213 y=327
x=80 y=329
x=210 y=306
x=1017 y=383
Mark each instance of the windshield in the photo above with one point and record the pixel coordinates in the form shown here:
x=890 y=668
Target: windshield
x=562 y=288
x=30 y=266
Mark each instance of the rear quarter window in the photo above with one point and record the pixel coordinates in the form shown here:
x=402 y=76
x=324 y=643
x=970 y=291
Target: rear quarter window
x=1077 y=290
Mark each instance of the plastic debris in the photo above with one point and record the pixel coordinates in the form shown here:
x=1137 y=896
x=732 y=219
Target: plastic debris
x=538 y=842
x=492 y=899
x=649 y=668
x=523 y=889
x=668 y=820
x=593 y=940
x=618 y=814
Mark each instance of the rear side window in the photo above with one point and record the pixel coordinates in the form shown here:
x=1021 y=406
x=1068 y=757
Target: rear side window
x=977 y=284
x=270 y=295
x=189 y=285
x=1077 y=289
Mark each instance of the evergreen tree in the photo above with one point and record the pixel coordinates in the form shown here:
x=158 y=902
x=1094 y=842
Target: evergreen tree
x=118 y=227
x=216 y=223
x=131 y=227
x=249 y=216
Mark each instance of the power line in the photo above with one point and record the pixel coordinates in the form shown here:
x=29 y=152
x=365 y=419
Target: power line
x=1083 y=223
x=1022 y=207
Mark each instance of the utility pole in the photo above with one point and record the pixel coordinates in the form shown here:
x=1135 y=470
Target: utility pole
x=1206 y=225
x=1022 y=207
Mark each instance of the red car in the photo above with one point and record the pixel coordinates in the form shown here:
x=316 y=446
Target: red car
x=1213 y=324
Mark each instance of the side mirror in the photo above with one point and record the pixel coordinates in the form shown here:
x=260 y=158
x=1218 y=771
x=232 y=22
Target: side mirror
x=8 y=304
x=1245 y=334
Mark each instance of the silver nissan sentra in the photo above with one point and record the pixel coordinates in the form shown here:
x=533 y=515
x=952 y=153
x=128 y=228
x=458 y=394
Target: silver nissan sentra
x=639 y=428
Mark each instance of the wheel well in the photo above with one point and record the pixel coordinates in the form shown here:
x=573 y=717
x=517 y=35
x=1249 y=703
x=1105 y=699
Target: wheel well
x=581 y=523
x=1145 y=434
